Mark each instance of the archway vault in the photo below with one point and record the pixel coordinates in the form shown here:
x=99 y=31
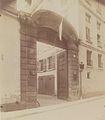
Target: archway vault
x=51 y=20
x=43 y=26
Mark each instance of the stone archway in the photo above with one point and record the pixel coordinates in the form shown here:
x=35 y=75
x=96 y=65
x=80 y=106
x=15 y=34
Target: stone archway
x=43 y=26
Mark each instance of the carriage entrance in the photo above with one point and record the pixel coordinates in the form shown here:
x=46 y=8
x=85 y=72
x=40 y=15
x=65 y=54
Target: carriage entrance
x=44 y=28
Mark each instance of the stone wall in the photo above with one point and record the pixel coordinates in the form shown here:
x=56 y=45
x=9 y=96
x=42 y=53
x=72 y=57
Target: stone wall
x=28 y=64
x=73 y=74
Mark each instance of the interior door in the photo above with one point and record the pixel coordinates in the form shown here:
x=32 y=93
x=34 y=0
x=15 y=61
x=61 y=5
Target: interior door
x=62 y=78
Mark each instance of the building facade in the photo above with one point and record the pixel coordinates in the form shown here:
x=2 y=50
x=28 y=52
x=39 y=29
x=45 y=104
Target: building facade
x=82 y=37
x=92 y=46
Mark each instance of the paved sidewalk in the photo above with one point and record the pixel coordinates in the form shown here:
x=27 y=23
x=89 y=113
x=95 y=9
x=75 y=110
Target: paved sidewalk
x=88 y=109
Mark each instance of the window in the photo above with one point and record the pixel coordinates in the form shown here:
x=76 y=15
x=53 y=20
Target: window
x=88 y=28
x=42 y=65
x=99 y=44
x=100 y=65
x=88 y=18
x=87 y=33
x=98 y=9
x=89 y=60
x=51 y=62
x=98 y=26
x=98 y=37
x=99 y=41
x=88 y=75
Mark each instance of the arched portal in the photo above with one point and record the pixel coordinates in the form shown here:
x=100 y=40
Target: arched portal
x=48 y=22
x=44 y=26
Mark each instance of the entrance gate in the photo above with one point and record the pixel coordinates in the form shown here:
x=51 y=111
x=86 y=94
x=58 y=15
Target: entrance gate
x=44 y=26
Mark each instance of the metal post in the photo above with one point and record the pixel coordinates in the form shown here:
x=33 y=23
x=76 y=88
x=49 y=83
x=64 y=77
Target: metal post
x=80 y=84
x=81 y=69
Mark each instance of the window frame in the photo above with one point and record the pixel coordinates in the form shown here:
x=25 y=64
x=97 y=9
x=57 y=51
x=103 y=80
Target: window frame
x=100 y=64
x=87 y=18
x=42 y=65
x=88 y=35
x=89 y=58
x=51 y=62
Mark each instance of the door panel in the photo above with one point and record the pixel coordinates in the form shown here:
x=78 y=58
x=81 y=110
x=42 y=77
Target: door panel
x=46 y=85
x=62 y=79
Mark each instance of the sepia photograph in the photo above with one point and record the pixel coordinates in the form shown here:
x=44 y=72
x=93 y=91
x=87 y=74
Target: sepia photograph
x=52 y=59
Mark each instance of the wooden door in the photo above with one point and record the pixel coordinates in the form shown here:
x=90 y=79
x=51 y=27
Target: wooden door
x=46 y=85
x=62 y=79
